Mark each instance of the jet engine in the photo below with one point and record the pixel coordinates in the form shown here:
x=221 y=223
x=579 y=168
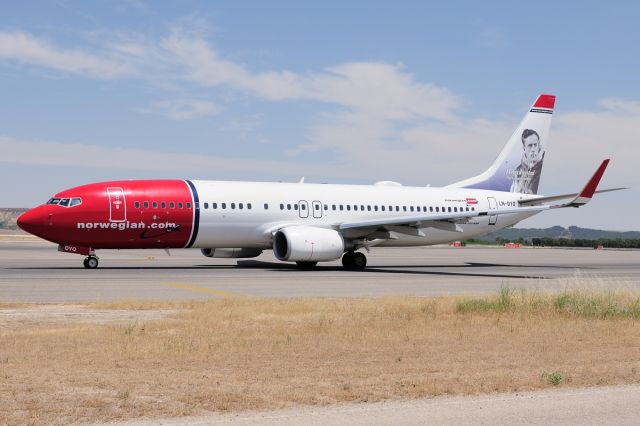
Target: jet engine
x=308 y=244
x=231 y=252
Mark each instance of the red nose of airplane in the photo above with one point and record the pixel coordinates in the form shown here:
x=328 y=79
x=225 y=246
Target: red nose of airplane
x=33 y=221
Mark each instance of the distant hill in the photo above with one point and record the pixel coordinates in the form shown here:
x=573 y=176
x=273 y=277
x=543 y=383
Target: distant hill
x=8 y=217
x=572 y=232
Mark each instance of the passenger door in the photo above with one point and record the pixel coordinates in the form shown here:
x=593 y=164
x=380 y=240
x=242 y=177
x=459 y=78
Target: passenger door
x=117 y=205
x=493 y=205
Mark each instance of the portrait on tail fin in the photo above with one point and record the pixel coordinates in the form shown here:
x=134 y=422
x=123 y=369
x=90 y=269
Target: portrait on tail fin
x=526 y=177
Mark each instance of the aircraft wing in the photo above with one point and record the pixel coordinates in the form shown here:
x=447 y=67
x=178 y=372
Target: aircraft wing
x=449 y=221
x=543 y=200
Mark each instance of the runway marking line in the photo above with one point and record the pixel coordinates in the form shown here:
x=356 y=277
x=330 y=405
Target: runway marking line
x=196 y=289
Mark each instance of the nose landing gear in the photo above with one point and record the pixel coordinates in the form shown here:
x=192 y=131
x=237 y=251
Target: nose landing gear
x=354 y=261
x=90 y=262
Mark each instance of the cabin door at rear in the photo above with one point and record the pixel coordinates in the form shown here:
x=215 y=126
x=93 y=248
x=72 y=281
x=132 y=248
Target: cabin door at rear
x=493 y=205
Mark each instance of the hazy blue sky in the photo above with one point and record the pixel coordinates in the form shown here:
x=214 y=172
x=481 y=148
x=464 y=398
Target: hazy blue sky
x=345 y=91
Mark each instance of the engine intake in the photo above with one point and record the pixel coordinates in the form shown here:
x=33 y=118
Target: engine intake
x=308 y=244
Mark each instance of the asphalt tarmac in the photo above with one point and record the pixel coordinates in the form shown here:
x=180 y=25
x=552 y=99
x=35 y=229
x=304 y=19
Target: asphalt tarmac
x=33 y=271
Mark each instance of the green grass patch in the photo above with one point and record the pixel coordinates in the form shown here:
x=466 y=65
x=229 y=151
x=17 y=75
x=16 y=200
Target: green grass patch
x=593 y=304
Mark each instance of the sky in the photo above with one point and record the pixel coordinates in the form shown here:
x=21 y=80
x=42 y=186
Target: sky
x=422 y=93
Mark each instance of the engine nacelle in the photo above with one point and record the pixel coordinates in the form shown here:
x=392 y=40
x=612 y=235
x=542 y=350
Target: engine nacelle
x=307 y=244
x=231 y=252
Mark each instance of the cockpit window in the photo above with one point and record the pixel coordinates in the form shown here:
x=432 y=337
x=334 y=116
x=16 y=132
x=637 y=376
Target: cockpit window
x=65 y=202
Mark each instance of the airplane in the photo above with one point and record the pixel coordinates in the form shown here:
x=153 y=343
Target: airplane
x=302 y=222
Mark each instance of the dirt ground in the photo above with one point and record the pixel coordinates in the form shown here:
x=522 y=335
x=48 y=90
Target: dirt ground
x=118 y=361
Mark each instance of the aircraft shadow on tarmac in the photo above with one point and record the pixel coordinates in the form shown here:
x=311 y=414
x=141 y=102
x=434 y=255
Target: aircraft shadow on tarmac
x=464 y=269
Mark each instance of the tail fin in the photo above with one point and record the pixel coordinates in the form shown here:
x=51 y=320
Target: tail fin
x=519 y=164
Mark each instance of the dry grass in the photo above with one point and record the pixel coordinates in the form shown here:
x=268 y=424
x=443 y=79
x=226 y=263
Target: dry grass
x=236 y=354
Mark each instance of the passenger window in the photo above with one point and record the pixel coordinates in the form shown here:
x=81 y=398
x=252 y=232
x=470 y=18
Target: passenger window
x=295 y=207
x=288 y=206
x=375 y=208
x=438 y=209
x=240 y=206
x=172 y=205
x=155 y=204
x=137 y=204
x=179 y=205
x=266 y=206
x=303 y=207
x=317 y=206
x=233 y=206
x=368 y=208
x=326 y=207
x=146 y=204
x=431 y=208
x=355 y=207
x=411 y=208
x=382 y=208
x=404 y=208
x=333 y=207
x=361 y=207
x=214 y=205
x=206 y=206
x=341 y=207
x=455 y=209
x=163 y=205
x=224 y=206
x=188 y=205
x=249 y=206
x=348 y=207
x=449 y=209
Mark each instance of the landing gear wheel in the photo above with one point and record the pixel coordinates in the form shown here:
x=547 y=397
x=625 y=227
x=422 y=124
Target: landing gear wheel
x=306 y=265
x=354 y=261
x=90 y=262
x=347 y=260
x=359 y=261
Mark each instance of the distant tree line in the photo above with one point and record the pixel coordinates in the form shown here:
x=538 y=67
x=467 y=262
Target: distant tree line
x=580 y=242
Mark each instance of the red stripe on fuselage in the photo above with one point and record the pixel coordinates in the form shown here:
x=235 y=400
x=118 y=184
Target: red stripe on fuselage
x=94 y=223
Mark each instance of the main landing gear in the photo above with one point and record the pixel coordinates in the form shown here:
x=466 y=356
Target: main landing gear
x=354 y=261
x=90 y=262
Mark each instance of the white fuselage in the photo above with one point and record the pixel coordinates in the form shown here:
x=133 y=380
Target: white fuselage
x=223 y=223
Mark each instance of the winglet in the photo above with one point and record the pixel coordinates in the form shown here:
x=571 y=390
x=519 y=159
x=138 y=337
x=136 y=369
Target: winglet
x=592 y=185
x=590 y=188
